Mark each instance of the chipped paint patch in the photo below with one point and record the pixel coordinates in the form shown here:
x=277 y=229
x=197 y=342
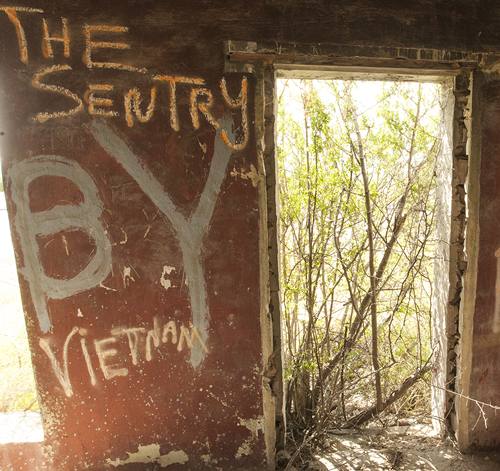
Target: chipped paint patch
x=151 y=454
x=164 y=281
x=251 y=175
x=253 y=425
x=245 y=448
x=208 y=459
x=174 y=457
x=491 y=67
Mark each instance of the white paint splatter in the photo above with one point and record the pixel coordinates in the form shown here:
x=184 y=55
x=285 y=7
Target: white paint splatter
x=125 y=237
x=65 y=242
x=107 y=288
x=151 y=454
x=203 y=147
x=164 y=281
x=127 y=276
x=225 y=404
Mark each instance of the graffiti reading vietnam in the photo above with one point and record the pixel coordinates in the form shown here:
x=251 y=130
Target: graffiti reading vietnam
x=105 y=99
x=111 y=351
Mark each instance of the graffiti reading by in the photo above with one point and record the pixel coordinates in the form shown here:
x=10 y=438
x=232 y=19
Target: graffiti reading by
x=189 y=231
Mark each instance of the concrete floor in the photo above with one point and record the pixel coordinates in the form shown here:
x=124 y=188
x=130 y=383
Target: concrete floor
x=413 y=448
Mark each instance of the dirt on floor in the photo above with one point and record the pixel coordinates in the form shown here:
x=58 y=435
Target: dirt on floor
x=404 y=448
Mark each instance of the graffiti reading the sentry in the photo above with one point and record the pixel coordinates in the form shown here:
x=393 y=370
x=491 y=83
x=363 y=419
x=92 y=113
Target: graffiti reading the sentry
x=100 y=98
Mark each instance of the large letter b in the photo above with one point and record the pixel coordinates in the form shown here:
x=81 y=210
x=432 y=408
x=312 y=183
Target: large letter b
x=84 y=216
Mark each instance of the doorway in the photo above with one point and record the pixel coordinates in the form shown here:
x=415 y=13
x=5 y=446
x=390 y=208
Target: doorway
x=364 y=185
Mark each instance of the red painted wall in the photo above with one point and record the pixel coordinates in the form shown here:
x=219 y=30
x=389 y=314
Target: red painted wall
x=135 y=225
x=484 y=423
x=23 y=457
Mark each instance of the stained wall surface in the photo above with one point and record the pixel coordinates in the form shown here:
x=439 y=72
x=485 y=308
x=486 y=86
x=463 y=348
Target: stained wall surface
x=132 y=190
x=132 y=177
x=483 y=423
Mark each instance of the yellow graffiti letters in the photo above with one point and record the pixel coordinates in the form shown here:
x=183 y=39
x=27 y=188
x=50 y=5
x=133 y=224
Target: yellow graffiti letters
x=238 y=103
x=172 y=81
x=57 y=89
x=97 y=105
x=92 y=46
x=132 y=104
x=47 y=39
x=11 y=13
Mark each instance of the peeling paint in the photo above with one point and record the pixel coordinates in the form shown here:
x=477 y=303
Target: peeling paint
x=251 y=175
x=174 y=457
x=208 y=459
x=151 y=454
x=245 y=448
x=253 y=425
